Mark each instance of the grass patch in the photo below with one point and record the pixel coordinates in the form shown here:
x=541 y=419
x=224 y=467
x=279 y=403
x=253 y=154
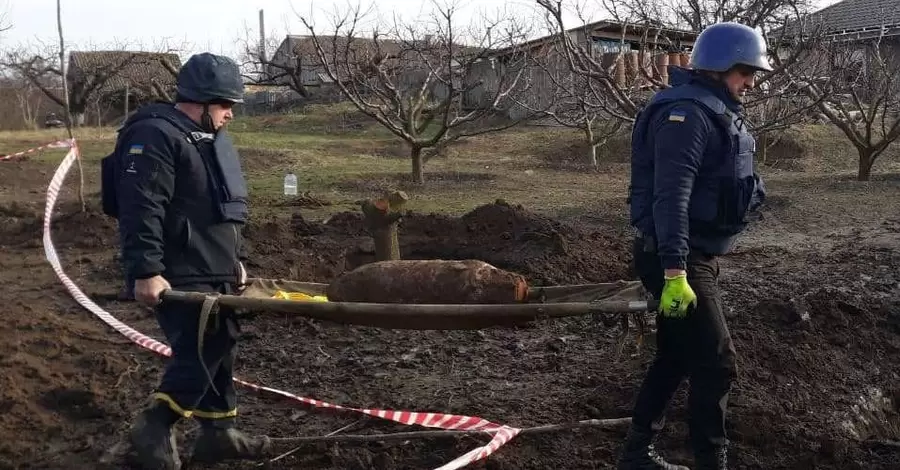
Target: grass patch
x=822 y=148
x=342 y=156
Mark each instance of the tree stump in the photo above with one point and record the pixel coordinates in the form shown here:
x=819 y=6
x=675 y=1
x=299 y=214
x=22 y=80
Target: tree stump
x=382 y=217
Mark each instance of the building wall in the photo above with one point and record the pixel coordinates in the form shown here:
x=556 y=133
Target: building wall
x=892 y=51
x=553 y=68
x=310 y=67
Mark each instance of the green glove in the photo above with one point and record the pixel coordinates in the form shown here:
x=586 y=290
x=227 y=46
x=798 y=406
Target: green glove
x=676 y=297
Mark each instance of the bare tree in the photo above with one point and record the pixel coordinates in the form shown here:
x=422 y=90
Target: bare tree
x=856 y=86
x=66 y=102
x=778 y=102
x=696 y=15
x=773 y=107
x=5 y=24
x=419 y=82
x=29 y=98
x=43 y=66
x=571 y=100
x=154 y=88
x=620 y=98
x=263 y=63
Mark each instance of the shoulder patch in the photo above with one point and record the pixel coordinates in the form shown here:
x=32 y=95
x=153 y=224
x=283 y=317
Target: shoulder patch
x=677 y=115
x=136 y=150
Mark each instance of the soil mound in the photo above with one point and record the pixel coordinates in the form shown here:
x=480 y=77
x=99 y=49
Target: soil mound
x=815 y=367
x=507 y=236
x=23 y=225
x=544 y=250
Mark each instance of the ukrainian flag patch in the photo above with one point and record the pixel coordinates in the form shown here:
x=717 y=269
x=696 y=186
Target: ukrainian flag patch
x=136 y=150
x=677 y=115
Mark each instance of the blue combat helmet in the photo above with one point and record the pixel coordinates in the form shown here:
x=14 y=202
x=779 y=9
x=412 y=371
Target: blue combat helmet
x=722 y=46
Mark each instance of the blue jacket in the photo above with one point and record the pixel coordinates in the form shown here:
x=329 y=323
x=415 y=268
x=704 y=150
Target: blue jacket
x=692 y=176
x=181 y=197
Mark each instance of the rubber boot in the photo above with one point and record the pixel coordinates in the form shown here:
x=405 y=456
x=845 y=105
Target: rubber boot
x=217 y=444
x=152 y=441
x=712 y=459
x=639 y=454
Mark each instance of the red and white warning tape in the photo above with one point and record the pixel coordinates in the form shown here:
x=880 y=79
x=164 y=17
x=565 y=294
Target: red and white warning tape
x=58 y=144
x=501 y=433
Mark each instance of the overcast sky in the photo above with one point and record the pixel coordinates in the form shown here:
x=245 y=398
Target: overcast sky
x=214 y=25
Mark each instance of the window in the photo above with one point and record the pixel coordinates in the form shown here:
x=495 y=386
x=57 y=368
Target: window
x=610 y=46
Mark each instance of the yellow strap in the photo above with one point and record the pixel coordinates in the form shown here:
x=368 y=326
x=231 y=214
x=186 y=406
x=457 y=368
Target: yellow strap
x=299 y=296
x=191 y=413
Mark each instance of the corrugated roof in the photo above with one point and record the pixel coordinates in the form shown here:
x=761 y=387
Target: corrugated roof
x=664 y=34
x=363 y=47
x=304 y=46
x=137 y=68
x=361 y=51
x=854 y=16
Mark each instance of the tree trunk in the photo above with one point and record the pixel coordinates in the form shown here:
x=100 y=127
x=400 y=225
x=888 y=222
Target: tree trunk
x=592 y=155
x=866 y=160
x=382 y=217
x=592 y=146
x=126 y=101
x=418 y=165
x=65 y=90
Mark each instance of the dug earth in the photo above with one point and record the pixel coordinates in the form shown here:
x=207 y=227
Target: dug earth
x=813 y=313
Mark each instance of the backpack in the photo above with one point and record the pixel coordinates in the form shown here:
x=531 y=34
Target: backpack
x=108 y=172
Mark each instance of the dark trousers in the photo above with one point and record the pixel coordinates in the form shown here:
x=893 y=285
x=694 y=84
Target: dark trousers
x=185 y=386
x=128 y=289
x=697 y=347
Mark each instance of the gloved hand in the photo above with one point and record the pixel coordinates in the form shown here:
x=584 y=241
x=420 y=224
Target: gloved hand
x=676 y=297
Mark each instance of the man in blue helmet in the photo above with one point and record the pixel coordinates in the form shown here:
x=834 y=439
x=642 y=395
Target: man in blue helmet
x=692 y=187
x=181 y=200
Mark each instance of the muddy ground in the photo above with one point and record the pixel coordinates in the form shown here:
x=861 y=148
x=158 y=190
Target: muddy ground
x=811 y=293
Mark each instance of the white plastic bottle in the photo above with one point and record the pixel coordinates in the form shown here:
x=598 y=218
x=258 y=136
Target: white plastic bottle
x=290 y=184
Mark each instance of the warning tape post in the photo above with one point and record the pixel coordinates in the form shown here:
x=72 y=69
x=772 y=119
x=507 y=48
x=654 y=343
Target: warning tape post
x=501 y=433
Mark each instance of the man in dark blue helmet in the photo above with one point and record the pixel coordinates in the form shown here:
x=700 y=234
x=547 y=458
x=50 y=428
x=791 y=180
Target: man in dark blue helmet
x=181 y=201
x=692 y=186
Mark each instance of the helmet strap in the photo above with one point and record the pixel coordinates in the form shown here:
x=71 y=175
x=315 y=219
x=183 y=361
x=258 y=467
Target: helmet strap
x=206 y=121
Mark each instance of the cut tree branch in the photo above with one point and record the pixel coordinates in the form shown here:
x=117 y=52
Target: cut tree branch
x=403 y=436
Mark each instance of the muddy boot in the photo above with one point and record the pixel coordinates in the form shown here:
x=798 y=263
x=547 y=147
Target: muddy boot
x=216 y=444
x=152 y=441
x=639 y=454
x=712 y=459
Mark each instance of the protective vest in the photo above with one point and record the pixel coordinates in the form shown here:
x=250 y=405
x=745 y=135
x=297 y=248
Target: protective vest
x=220 y=158
x=725 y=191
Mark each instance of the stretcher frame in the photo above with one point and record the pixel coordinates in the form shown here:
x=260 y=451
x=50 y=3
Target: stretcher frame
x=610 y=300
